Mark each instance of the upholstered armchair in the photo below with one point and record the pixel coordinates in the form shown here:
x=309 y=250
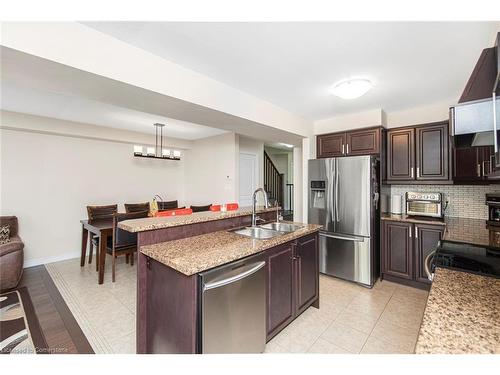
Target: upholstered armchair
x=11 y=255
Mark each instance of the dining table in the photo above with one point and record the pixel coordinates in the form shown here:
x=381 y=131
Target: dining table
x=103 y=228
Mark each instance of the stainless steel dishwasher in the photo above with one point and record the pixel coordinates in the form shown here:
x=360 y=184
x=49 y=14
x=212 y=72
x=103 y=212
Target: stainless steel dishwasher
x=233 y=315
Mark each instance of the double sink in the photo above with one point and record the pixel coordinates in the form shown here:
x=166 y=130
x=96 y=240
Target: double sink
x=267 y=231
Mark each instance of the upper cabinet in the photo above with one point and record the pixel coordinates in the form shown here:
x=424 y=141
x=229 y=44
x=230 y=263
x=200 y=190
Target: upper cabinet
x=471 y=165
x=418 y=154
x=330 y=145
x=351 y=143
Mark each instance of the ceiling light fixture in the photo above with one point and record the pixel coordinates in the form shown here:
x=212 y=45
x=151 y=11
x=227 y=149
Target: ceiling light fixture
x=157 y=152
x=351 y=88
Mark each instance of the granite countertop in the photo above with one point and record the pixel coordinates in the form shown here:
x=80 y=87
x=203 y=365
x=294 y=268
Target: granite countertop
x=462 y=315
x=151 y=223
x=199 y=253
x=411 y=219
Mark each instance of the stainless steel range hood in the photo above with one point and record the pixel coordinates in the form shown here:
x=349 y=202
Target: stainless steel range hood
x=473 y=118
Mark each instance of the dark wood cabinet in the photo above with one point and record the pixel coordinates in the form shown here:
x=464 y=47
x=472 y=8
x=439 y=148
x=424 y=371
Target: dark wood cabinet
x=404 y=249
x=280 y=296
x=307 y=269
x=400 y=155
x=419 y=154
x=426 y=239
x=472 y=164
x=293 y=281
x=398 y=260
x=356 y=142
x=432 y=144
x=330 y=145
x=363 y=142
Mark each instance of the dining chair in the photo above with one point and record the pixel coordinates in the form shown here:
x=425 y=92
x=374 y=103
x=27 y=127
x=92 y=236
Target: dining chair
x=167 y=205
x=98 y=213
x=123 y=242
x=201 y=208
x=136 y=207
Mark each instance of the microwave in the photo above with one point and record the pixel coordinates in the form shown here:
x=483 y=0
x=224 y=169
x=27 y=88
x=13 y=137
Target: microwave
x=424 y=204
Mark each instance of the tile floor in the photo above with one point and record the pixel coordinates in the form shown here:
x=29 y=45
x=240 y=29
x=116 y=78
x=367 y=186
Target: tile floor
x=351 y=318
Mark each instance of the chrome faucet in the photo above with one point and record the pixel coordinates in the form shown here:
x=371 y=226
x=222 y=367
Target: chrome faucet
x=254 y=202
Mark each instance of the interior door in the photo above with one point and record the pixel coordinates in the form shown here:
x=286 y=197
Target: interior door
x=352 y=196
x=248 y=178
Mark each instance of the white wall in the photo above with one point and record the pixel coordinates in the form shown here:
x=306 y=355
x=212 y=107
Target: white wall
x=420 y=115
x=47 y=181
x=350 y=121
x=211 y=170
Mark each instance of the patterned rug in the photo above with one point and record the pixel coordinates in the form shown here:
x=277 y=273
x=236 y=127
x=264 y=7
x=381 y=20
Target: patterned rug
x=20 y=332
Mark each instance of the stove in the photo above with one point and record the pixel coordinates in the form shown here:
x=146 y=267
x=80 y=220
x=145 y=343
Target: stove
x=481 y=260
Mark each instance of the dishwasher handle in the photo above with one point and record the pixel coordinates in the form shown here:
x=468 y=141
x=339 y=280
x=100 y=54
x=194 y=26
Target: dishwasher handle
x=248 y=271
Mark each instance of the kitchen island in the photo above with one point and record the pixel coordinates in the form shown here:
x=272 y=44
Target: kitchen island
x=174 y=252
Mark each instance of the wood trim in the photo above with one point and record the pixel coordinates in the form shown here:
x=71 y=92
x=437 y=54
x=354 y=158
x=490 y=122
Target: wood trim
x=400 y=280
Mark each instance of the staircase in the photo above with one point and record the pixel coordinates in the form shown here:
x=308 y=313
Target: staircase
x=273 y=181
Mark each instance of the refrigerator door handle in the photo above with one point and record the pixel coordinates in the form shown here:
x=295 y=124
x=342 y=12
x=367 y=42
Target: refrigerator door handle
x=336 y=191
x=329 y=194
x=345 y=237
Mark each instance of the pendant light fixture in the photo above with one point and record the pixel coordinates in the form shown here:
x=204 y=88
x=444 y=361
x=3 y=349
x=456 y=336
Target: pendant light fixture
x=157 y=152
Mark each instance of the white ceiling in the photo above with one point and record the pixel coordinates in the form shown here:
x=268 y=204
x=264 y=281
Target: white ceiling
x=293 y=65
x=19 y=98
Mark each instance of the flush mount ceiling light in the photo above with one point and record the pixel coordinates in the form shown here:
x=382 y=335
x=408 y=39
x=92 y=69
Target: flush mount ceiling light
x=351 y=88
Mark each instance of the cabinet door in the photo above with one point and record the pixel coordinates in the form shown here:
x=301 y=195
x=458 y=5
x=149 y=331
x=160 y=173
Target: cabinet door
x=330 y=145
x=280 y=296
x=432 y=159
x=426 y=240
x=307 y=272
x=466 y=165
x=363 y=142
x=486 y=155
x=397 y=249
x=400 y=155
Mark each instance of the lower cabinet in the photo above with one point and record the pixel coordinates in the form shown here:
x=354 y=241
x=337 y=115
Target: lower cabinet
x=293 y=281
x=405 y=247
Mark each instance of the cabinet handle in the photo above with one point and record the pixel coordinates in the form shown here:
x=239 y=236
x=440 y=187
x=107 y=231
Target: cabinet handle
x=418 y=172
x=409 y=233
x=492 y=163
x=479 y=170
x=411 y=172
x=416 y=231
x=348 y=149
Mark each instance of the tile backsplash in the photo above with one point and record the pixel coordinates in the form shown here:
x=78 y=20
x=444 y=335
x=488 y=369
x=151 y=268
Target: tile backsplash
x=463 y=201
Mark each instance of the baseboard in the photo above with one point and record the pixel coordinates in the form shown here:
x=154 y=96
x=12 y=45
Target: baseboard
x=45 y=260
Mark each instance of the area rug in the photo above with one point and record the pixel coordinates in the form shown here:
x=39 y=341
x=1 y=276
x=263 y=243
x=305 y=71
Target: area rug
x=20 y=331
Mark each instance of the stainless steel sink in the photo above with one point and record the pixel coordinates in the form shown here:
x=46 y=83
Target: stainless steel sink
x=282 y=227
x=257 y=232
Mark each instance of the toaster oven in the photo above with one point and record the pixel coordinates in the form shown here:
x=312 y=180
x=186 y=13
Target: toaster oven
x=424 y=204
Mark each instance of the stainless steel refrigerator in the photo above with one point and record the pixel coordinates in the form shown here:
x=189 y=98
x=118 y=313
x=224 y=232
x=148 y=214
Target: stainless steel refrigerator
x=343 y=197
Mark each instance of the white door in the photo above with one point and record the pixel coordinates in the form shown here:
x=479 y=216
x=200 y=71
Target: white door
x=248 y=178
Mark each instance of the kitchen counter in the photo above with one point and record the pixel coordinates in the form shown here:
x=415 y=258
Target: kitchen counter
x=462 y=315
x=411 y=219
x=152 y=223
x=199 y=253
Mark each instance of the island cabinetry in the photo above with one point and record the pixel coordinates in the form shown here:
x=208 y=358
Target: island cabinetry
x=169 y=302
x=293 y=281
